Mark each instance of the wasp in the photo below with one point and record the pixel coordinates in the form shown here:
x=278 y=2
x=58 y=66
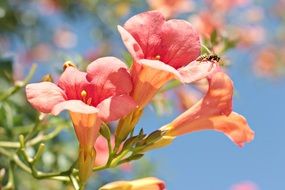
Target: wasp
x=212 y=57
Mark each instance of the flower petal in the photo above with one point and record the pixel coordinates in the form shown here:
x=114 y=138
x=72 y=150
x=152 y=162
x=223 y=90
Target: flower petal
x=217 y=101
x=180 y=43
x=131 y=44
x=145 y=29
x=73 y=81
x=76 y=106
x=148 y=183
x=86 y=127
x=159 y=66
x=152 y=75
x=102 y=151
x=196 y=70
x=110 y=77
x=139 y=184
x=44 y=96
x=115 y=107
x=214 y=111
x=234 y=126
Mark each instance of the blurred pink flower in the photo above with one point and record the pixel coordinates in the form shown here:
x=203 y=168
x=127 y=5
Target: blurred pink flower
x=64 y=38
x=171 y=7
x=213 y=112
x=265 y=64
x=207 y=22
x=278 y=8
x=254 y=14
x=40 y=52
x=226 y=5
x=162 y=50
x=149 y=183
x=94 y=53
x=250 y=35
x=49 y=6
x=244 y=186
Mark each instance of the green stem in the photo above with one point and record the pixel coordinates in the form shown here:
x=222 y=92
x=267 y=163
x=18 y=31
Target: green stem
x=115 y=161
x=34 y=129
x=19 y=85
x=31 y=170
x=99 y=168
x=74 y=182
x=82 y=187
x=8 y=144
x=38 y=139
x=10 y=185
x=207 y=49
x=170 y=85
x=42 y=138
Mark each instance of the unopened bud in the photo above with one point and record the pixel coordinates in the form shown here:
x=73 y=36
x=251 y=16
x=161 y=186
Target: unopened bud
x=47 y=78
x=68 y=64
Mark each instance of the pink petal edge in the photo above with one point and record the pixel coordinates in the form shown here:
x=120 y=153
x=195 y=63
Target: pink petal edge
x=44 y=96
x=131 y=44
x=76 y=106
x=115 y=107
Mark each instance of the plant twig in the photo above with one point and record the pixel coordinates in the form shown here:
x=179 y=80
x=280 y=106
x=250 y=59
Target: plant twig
x=19 y=85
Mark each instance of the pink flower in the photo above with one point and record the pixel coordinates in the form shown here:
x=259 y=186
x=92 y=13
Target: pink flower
x=244 y=186
x=214 y=112
x=266 y=61
x=226 y=5
x=162 y=50
x=207 y=22
x=64 y=38
x=149 y=183
x=49 y=6
x=171 y=7
x=250 y=35
x=101 y=147
x=100 y=95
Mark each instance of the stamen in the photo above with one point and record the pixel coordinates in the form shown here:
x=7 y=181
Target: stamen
x=89 y=101
x=157 y=57
x=68 y=64
x=83 y=93
x=84 y=96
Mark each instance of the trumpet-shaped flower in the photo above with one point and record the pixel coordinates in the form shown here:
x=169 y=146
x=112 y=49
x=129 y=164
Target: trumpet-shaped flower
x=92 y=97
x=214 y=112
x=162 y=50
x=150 y=183
x=170 y=7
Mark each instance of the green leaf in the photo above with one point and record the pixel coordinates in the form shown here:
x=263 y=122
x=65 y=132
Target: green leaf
x=131 y=158
x=130 y=142
x=135 y=157
x=128 y=59
x=154 y=136
x=214 y=37
x=141 y=132
x=105 y=131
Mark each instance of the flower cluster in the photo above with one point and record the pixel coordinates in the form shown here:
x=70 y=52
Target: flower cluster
x=108 y=91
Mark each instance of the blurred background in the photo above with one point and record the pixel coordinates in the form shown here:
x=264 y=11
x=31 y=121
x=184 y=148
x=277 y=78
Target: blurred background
x=248 y=35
